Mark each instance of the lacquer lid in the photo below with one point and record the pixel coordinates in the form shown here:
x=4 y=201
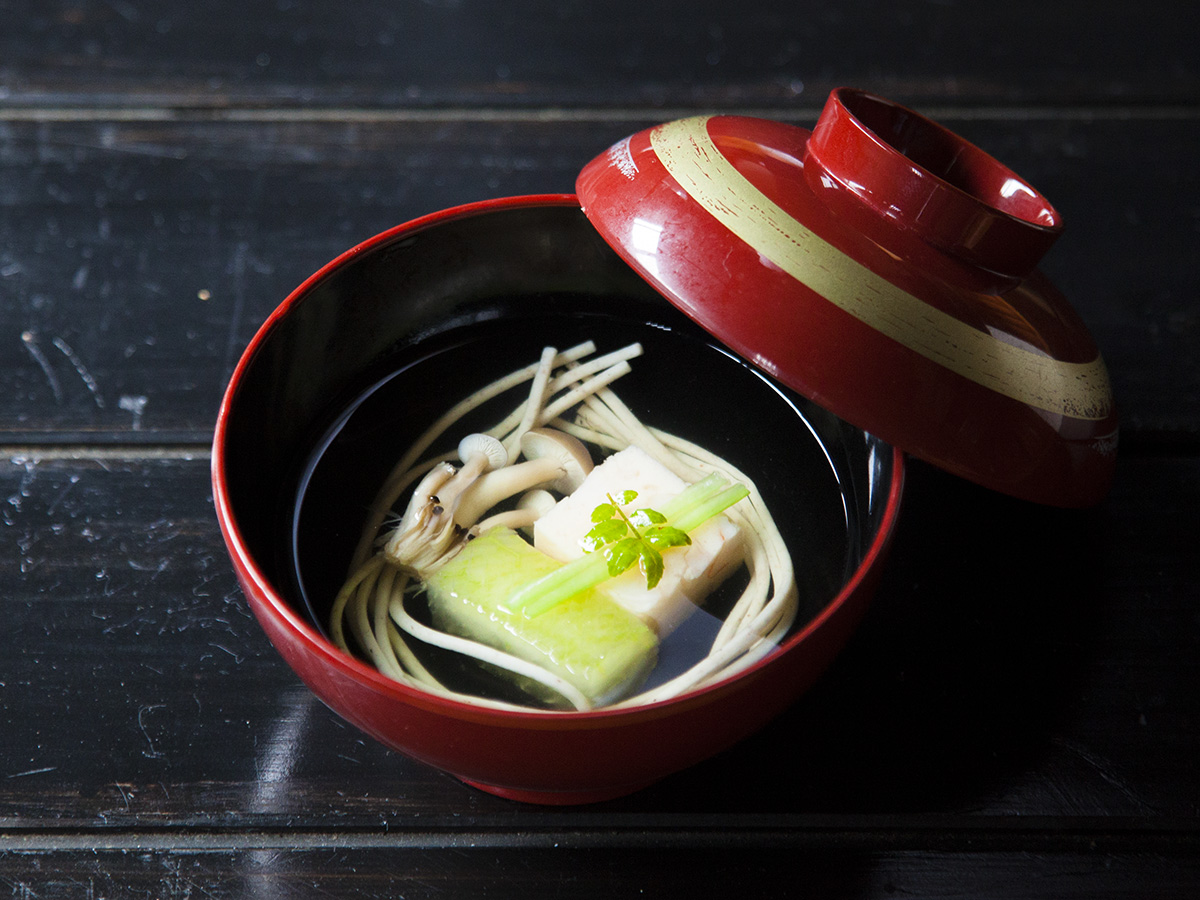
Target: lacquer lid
x=881 y=266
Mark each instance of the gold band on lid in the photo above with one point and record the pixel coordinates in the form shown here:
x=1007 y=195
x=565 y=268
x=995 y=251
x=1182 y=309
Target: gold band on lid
x=1076 y=390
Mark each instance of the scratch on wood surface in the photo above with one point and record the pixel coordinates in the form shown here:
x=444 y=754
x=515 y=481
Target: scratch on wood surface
x=86 y=376
x=127 y=792
x=153 y=752
x=31 y=344
x=155 y=568
x=135 y=404
x=237 y=657
x=61 y=495
x=32 y=772
x=237 y=268
x=1105 y=771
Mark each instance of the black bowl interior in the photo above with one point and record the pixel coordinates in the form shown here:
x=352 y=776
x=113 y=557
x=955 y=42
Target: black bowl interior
x=383 y=345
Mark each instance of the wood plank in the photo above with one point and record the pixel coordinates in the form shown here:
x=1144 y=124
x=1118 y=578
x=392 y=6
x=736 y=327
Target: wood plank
x=611 y=874
x=1018 y=662
x=138 y=258
x=698 y=53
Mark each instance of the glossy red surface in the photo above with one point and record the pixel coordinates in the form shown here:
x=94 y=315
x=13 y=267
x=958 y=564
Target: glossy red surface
x=553 y=758
x=883 y=267
x=921 y=181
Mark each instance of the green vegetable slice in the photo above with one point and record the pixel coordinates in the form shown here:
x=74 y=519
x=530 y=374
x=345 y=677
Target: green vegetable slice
x=593 y=643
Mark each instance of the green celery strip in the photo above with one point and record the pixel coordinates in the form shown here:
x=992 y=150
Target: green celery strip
x=550 y=590
x=692 y=495
x=697 y=515
x=689 y=510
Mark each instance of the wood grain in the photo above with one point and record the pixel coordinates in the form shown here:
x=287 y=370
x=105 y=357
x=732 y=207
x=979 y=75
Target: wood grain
x=480 y=870
x=137 y=259
x=524 y=54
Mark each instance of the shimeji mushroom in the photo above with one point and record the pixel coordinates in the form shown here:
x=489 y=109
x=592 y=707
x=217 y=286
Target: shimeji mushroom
x=554 y=460
x=448 y=502
x=432 y=527
x=534 y=504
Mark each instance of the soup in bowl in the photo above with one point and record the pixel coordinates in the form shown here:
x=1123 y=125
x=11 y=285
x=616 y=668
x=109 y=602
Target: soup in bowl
x=366 y=358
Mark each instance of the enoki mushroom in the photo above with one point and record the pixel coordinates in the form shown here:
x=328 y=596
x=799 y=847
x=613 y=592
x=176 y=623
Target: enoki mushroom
x=569 y=391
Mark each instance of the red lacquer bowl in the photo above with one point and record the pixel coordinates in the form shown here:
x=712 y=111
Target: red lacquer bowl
x=536 y=261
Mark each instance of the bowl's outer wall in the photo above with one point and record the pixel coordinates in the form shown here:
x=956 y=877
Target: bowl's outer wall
x=535 y=244
x=606 y=754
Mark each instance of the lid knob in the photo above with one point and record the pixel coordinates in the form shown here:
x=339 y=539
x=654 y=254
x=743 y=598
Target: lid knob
x=868 y=156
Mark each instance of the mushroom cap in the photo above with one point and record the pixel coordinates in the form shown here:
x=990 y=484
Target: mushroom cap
x=483 y=444
x=537 y=501
x=568 y=451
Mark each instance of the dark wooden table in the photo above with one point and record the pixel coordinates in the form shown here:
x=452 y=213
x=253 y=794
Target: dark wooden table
x=1018 y=717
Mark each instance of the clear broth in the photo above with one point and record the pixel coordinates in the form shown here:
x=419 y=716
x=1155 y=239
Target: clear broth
x=683 y=384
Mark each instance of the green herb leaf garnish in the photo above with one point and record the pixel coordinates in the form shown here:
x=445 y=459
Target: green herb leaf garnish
x=626 y=538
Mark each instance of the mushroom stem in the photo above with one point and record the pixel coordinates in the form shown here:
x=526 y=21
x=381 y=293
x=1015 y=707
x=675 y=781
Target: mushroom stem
x=490 y=489
x=531 y=507
x=510 y=518
x=479 y=453
x=463 y=479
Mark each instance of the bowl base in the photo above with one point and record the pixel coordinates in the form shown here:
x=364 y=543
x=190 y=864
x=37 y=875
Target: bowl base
x=557 y=798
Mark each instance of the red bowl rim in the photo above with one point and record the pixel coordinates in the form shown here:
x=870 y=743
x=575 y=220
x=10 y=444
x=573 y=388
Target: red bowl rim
x=270 y=602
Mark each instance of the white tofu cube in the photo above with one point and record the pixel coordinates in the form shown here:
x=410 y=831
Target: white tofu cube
x=689 y=573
